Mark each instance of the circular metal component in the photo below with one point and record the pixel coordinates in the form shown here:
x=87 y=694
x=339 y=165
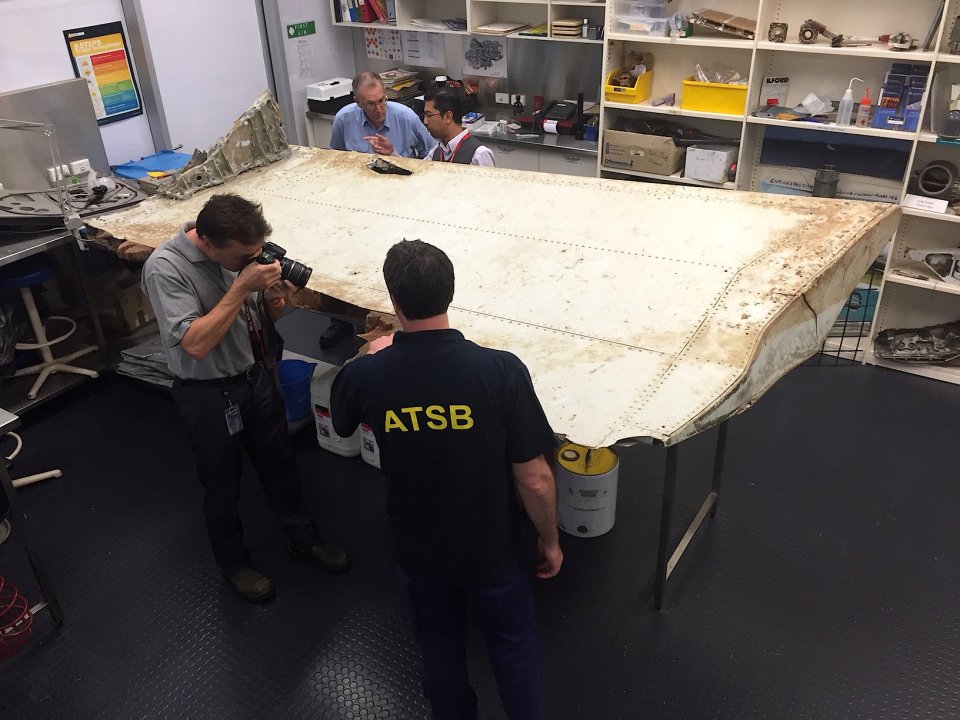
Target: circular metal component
x=777 y=32
x=940 y=180
x=808 y=34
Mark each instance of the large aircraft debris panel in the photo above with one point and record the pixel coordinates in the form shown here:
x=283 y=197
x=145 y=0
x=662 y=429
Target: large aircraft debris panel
x=643 y=311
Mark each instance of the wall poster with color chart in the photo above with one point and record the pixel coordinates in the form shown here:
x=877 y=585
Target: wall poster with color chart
x=383 y=44
x=100 y=56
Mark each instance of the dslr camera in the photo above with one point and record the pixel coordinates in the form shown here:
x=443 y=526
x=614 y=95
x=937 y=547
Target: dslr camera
x=295 y=272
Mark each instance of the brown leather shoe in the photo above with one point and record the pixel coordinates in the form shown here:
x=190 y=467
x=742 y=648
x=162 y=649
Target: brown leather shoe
x=251 y=584
x=322 y=554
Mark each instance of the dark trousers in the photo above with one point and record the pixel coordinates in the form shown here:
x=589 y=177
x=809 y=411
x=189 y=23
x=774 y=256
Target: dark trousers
x=504 y=608
x=220 y=458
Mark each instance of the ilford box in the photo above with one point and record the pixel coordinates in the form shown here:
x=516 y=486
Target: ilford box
x=640 y=153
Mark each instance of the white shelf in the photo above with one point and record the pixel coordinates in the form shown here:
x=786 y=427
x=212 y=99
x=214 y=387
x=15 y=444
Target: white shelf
x=645 y=106
x=906 y=136
x=946 y=217
x=412 y=28
x=876 y=51
x=675 y=178
x=716 y=42
x=514 y=2
x=934 y=285
x=929 y=137
x=947 y=58
x=518 y=36
x=579 y=3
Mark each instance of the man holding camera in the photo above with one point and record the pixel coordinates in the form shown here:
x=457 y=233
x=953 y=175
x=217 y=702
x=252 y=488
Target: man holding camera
x=215 y=300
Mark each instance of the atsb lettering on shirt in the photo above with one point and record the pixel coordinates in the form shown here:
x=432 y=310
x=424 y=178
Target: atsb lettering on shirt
x=433 y=417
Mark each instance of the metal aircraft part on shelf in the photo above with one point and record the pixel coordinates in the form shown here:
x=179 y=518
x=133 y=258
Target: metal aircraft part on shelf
x=632 y=329
x=257 y=138
x=945 y=262
x=930 y=344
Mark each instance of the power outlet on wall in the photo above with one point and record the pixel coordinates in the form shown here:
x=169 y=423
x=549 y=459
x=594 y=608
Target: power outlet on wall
x=53 y=176
x=503 y=99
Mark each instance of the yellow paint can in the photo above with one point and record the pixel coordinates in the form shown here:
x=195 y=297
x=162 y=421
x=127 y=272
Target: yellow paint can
x=586 y=489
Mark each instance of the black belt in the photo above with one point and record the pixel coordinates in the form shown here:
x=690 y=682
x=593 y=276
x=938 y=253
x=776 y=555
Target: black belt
x=247 y=375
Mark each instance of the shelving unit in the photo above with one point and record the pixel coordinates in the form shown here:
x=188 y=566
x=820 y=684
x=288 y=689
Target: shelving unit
x=904 y=301
x=483 y=12
x=818 y=68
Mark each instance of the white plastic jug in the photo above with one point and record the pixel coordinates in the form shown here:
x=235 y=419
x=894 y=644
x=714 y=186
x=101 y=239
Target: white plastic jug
x=320 y=399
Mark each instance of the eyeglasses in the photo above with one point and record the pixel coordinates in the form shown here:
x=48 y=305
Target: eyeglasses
x=431 y=114
x=373 y=103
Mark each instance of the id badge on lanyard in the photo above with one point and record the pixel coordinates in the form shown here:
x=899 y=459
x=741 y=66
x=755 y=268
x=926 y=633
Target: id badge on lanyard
x=231 y=414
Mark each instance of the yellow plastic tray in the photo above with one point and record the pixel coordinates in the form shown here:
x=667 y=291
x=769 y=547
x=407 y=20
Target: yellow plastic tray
x=638 y=93
x=713 y=97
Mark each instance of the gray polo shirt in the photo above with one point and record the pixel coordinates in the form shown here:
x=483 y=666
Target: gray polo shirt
x=183 y=284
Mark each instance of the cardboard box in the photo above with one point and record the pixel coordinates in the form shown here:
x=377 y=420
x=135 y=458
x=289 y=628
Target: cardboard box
x=709 y=162
x=640 y=153
x=119 y=301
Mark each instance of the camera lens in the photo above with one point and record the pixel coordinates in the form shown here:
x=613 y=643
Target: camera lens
x=296 y=272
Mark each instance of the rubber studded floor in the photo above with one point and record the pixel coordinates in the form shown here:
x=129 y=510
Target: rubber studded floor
x=827 y=586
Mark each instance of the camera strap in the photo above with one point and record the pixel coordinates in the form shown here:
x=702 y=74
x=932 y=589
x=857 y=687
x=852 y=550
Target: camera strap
x=256 y=339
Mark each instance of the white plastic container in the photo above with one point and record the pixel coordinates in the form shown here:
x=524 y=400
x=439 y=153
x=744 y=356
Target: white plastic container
x=648 y=8
x=369 y=450
x=320 y=399
x=642 y=25
x=586 y=489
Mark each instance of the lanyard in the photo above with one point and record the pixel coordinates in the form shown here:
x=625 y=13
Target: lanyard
x=454 y=153
x=256 y=340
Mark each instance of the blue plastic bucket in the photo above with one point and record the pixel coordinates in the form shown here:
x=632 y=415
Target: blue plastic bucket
x=295 y=378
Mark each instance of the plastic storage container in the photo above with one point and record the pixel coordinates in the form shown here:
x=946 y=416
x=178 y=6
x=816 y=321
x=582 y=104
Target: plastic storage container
x=641 y=25
x=646 y=8
x=642 y=87
x=295 y=385
x=586 y=489
x=725 y=98
x=326 y=436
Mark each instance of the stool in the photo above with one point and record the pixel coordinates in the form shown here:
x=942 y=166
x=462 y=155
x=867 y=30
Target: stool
x=22 y=276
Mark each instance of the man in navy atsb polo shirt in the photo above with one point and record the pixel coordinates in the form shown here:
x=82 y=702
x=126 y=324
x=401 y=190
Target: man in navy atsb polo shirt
x=461 y=435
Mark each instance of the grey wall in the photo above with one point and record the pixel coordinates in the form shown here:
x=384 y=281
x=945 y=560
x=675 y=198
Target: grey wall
x=25 y=156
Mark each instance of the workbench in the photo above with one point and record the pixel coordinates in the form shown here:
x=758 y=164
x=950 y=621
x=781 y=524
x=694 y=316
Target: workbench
x=13 y=392
x=645 y=313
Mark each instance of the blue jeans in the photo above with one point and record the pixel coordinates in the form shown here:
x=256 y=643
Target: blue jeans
x=504 y=608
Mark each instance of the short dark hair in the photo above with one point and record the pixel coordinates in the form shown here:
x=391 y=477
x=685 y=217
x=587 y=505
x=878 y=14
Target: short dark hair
x=446 y=99
x=230 y=217
x=419 y=276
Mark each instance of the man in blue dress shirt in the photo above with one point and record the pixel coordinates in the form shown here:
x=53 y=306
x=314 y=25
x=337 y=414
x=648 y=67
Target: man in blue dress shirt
x=373 y=125
x=377 y=125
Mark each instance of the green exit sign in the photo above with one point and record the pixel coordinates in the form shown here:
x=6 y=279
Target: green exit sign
x=302 y=28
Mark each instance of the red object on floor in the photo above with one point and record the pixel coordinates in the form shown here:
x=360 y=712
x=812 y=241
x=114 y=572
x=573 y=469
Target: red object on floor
x=16 y=621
